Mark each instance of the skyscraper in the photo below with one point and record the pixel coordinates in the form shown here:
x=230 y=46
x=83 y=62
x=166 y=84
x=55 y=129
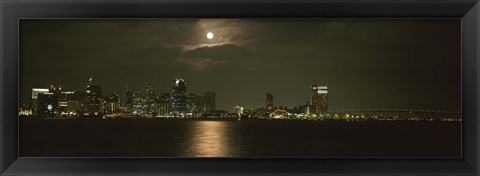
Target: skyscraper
x=269 y=105
x=319 y=98
x=139 y=106
x=39 y=106
x=56 y=91
x=208 y=101
x=194 y=103
x=150 y=100
x=93 y=94
x=75 y=102
x=179 y=97
x=128 y=103
x=111 y=104
x=164 y=104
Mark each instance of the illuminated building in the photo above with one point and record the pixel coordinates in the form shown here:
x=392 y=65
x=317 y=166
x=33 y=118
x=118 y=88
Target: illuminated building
x=35 y=92
x=75 y=104
x=46 y=104
x=194 y=103
x=26 y=109
x=238 y=109
x=111 y=104
x=37 y=109
x=139 y=105
x=164 y=104
x=66 y=96
x=279 y=114
x=215 y=114
x=93 y=99
x=63 y=102
x=306 y=111
x=101 y=105
x=208 y=101
x=71 y=103
x=319 y=98
x=150 y=100
x=56 y=91
x=46 y=100
x=179 y=97
x=269 y=102
x=128 y=103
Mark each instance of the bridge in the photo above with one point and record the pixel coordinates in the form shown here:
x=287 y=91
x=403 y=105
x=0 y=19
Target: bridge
x=419 y=113
x=392 y=110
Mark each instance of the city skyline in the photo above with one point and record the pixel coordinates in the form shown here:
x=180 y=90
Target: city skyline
x=367 y=63
x=53 y=101
x=179 y=100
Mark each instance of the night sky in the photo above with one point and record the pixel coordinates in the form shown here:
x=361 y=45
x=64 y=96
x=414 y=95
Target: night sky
x=366 y=63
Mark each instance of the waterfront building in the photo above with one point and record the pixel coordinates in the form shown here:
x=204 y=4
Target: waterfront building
x=164 y=104
x=26 y=109
x=319 y=99
x=63 y=102
x=150 y=100
x=238 y=110
x=45 y=101
x=112 y=105
x=208 y=101
x=194 y=103
x=306 y=111
x=36 y=91
x=214 y=114
x=46 y=104
x=269 y=102
x=179 y=97
x=93 y=99
x=128 y=102
x=56 y=91
x=76 y=103
x=279 y=114
x=138 y=103
x=102 y=105
x=35 y=101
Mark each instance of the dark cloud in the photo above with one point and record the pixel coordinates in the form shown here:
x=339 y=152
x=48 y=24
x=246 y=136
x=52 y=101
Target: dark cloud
x=203 y=57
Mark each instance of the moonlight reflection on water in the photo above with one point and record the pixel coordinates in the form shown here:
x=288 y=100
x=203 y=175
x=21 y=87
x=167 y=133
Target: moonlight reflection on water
x=210 y=139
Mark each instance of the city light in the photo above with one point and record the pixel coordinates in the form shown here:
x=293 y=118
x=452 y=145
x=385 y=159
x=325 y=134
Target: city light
x=51 y=102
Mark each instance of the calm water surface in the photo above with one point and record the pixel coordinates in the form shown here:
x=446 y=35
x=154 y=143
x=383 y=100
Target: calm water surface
x=245 y=138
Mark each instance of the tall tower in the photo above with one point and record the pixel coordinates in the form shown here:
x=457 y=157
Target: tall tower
x=179 y=97
x=165 y=104
x=94 y=95
x=319 y=99
x=208 y=101
x=150 y=100
x=111 y=103
x=128 y=103
x=269 y=102
x=194 y=102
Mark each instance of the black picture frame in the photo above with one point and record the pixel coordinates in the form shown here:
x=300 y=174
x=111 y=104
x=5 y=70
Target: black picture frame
x=12 y=10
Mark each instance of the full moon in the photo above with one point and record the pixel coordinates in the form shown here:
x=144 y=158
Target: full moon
x=209 y=35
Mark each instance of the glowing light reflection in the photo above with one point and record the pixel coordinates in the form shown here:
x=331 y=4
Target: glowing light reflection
x=210 y=139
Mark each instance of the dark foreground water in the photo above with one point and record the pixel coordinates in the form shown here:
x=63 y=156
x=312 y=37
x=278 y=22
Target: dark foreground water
x=245 y=138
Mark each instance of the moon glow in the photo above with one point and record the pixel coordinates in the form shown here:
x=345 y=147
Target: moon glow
x=209 y=35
